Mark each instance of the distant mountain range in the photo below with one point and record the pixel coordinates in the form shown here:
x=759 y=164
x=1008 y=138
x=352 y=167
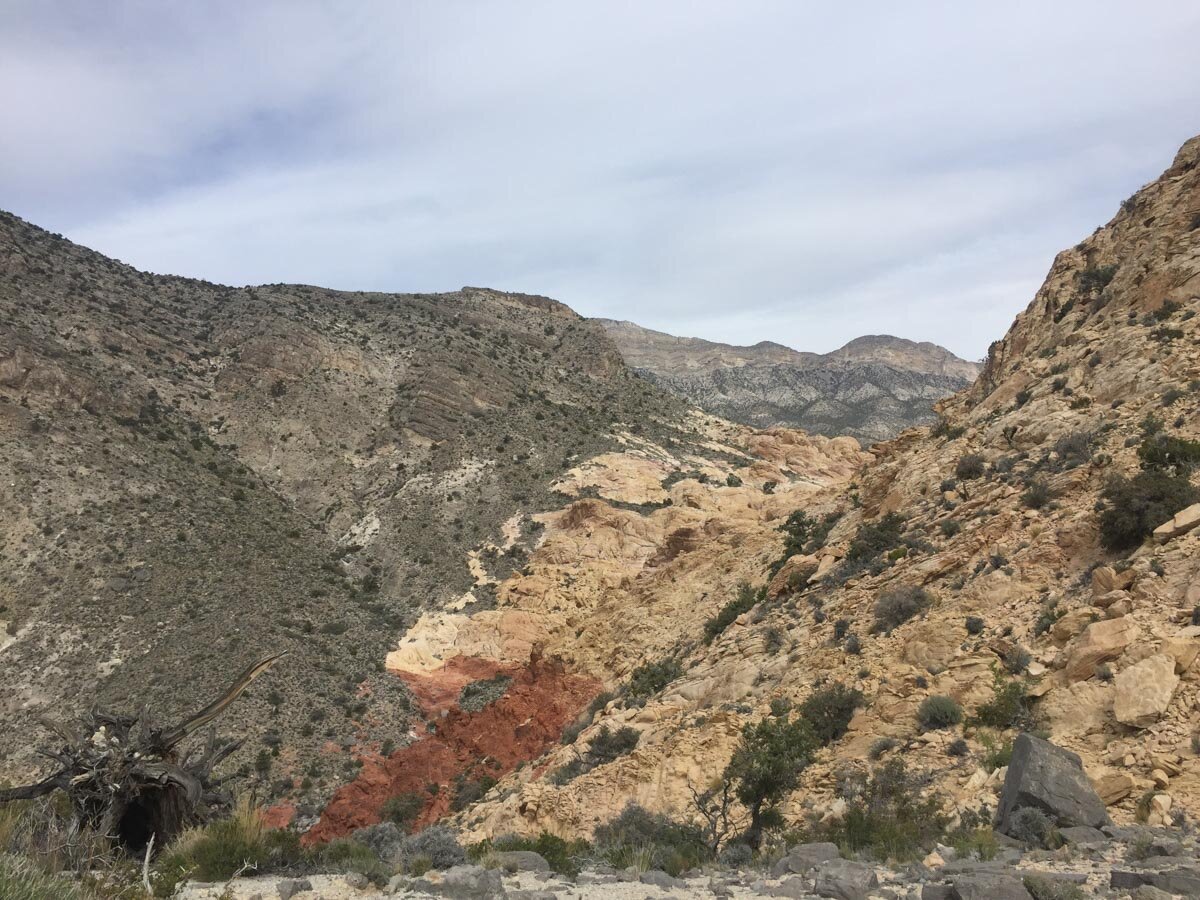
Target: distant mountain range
x=872 y=388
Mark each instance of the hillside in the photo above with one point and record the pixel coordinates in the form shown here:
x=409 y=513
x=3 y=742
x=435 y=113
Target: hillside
x=196 y=475
x=872 y=388
x=988 y=551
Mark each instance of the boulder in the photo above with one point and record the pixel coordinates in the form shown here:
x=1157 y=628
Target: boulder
x=1114 y=787
x=1144 y=691
x=463 y=883
x=1082 y=834
x=989 y=886
x=1183 y=650
x=804 y=857
x=1100 y=642
x=289 y=887
x=793 y=574
x=1051 y=779
x=1181 y=523
x=843 y=879
x=660 y=879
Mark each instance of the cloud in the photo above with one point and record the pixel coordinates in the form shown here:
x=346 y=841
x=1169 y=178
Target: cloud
x=735 y=171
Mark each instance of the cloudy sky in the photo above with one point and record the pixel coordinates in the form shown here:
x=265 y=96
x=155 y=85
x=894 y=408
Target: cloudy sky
x=738 y=171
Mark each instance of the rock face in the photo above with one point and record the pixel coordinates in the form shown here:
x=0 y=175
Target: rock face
x=1049 y=778
x=1144 y=691
x=872 y=388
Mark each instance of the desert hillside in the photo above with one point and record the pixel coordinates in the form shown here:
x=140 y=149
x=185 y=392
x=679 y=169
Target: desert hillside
x=872 y=388
x=1006 y=549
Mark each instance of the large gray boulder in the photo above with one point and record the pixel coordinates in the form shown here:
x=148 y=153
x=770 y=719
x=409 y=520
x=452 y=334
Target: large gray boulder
x=990 y=886
x=804 y=857
x=1051 y=779
x=843 y=879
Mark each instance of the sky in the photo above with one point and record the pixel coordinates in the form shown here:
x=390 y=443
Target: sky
x=737 y=171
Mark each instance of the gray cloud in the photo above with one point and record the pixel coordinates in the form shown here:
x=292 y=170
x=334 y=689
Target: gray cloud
x=736 y=171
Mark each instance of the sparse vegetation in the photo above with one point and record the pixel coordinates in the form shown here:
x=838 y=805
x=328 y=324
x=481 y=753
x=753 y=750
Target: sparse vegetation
x=938 y=712
x=746 y=599
x=1134 y=507
x=649 y=678
x=897 y=605
x=969 y=467
x=828 y=710
x=480 y=694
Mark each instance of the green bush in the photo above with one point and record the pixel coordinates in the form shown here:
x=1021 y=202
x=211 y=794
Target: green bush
x=652 y=840
x=969 y=467
x=648 y=679
x=828 y=711
x=1096 y=278
x=766 y=767
x=938 y=712
x=732 y=480
x=897 y=605
x=805 y=534
x=1037 y=495
x=1166 y=453
x=403 y=809
x=1134 y=507
x=874 y=538
x=950 y=527
x=605 y=747
x=480 y=694
x=746 y=599
x=880 y=747
x=975 y=625
x=1006 y=709
x=565 y=857
x=886 y=816
x=1074 y=449
x=436 y=847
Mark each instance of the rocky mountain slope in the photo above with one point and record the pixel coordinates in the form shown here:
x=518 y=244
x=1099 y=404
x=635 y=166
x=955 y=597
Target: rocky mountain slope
x=872 y=388
x=1001 y=558
x=195 y=475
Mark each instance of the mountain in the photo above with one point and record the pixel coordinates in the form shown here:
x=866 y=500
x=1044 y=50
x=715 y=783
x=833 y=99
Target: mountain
x=195 y=475
x=521 y=588
x=872 y=388
x=998 y=564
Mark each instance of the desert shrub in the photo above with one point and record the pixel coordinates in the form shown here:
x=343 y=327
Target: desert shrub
x=938 y=712
x=1166 y=453
x=572 y=731
x=671 y=846
x=853 y=644
x=1007 y=708
x=1096 y=278
x=22 y=879
x=975 y=625
x=828 y=710
x=468 y=791
x=840 y=628
x=648 y=679
x=969 y=467
x=605 y=747
x=747 y=597
x=1033 y=828
x=1074 y=449
x=958 y=747
x=1023 y=396
x=565 y=857
x=480 y=694
x=766 y=767
x=874 y=538
x=1037 y=495
x=737 y=855
x=732 y=480
x=403 y=809
x=996 y=754
x=897 y=605
x=437 y=845
x=950 y=527
x=219 y=849
x=1016 y=660
x=881 y=746
x=1134 y=507
x=886 y=816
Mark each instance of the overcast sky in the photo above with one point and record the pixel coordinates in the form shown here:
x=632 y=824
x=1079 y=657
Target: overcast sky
x=738 y=171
